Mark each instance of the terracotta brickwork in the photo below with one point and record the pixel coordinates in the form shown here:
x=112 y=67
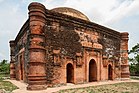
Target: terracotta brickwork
x=60 y=46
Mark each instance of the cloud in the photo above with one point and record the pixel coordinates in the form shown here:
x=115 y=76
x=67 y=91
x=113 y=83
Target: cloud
x=1 y=1
x=2 y=56
x=11 y=20
x=105 y=12
x=126 y=9
x=100 y=11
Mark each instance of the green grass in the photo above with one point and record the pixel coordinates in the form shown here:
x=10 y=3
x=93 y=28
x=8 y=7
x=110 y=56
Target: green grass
x=8 y=86
x=128 y=87
x=4 y=75
x=134 y=77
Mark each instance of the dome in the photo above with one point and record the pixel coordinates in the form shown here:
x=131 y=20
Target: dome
x=70 y=12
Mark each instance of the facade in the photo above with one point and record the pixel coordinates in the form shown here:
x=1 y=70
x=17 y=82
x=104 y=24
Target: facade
x=61 y=45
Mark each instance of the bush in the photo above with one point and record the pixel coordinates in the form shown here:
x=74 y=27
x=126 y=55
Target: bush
x=4 y=67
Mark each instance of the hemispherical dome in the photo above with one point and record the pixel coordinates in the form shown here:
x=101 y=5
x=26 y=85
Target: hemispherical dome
x=71 y=12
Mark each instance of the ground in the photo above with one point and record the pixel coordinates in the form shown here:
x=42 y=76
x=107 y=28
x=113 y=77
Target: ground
x=116 y=86
x=125 y=87
x=6 y=86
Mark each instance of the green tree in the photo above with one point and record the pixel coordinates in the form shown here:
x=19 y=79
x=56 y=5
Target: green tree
x=134 y=66
x=4 y=66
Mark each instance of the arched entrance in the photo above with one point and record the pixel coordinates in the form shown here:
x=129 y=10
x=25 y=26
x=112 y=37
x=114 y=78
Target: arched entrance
x=109 y=72
x=92 y=71
x=70 y=73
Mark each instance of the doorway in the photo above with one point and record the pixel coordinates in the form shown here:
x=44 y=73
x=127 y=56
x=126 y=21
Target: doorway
x=109 y=72
x=92 y=71
x=70 y=73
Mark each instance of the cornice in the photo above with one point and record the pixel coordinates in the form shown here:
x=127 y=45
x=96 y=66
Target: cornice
x=24 y=28
x=86 y=24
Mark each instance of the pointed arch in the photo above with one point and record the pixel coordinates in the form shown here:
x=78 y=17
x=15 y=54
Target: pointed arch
x=70 y=73
x=110 y=72
x=92 y=70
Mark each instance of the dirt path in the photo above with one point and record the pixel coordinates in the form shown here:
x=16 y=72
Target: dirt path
x=22 y=86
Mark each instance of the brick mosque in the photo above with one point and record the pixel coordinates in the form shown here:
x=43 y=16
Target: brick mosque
x=61 y=45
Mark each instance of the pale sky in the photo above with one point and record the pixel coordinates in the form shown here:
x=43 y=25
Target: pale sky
x=120 y=15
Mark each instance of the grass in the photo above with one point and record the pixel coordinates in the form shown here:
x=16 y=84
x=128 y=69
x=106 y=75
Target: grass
x=4 y=75
x=6 y=85
x=126 y=87
x=134 y=77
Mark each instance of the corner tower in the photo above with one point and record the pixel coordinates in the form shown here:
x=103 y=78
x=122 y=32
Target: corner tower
x=124 y=56
x=36 y=62
x=12 y=62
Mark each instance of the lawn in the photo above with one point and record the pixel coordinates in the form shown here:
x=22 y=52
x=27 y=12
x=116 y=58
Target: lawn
x=127 y=87
x=134 y=77
x=6 y=85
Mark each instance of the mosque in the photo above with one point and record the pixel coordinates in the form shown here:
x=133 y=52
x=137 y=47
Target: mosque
x=61 y=45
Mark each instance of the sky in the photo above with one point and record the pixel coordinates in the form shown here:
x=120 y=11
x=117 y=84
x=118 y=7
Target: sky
x=120 y=15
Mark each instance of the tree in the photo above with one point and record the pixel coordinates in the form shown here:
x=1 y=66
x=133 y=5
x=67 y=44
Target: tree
x=4 y=66
x=134 y=66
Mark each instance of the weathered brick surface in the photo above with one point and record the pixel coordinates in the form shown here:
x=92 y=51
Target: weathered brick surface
x=53 y=49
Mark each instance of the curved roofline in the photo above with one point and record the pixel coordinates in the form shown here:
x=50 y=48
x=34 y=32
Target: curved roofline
x=62 y=9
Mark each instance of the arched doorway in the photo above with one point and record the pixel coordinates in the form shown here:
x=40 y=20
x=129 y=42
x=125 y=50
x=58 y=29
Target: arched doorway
x=92 y=71
x=70 y=73
x=109 y=72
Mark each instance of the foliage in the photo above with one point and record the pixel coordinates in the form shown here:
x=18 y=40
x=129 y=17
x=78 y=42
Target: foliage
x=4 y=66
x=135 y=49
x=7 y=86
x=134 y=66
